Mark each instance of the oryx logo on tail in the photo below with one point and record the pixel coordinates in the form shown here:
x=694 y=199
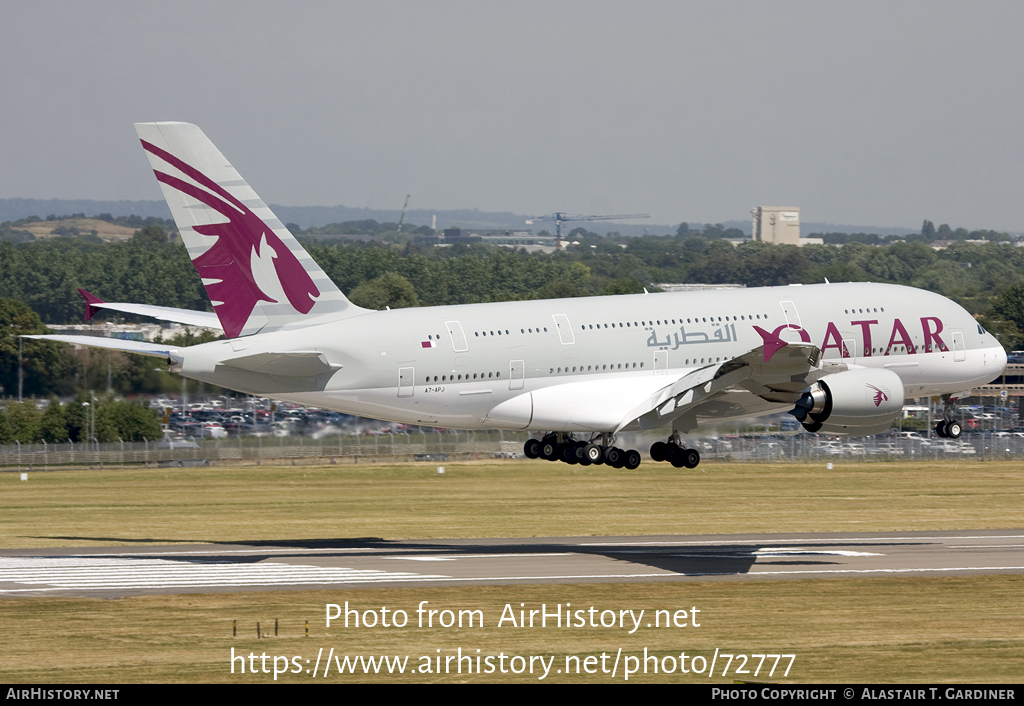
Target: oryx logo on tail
x=227 y=267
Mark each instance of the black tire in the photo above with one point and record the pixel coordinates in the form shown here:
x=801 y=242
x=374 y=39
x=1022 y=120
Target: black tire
x=531 y=448
x=549 y=451
x=954 y=430
x=593 y=453
x=691 y=458
x=614 y=457
x=675 y=455
x=568 y=453
x=659 y=451
x=940 y=429
x=632 y=459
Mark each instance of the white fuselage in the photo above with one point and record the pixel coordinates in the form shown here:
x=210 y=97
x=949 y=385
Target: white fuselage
x=575 y=364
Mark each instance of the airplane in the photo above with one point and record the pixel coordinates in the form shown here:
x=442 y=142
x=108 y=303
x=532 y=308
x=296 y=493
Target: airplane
x=840 y=357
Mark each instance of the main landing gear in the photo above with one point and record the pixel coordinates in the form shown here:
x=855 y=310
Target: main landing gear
x=675 y=453
x=563 y=446
x=948 y=428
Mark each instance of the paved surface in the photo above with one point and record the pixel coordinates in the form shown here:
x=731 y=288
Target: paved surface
x=132 y=570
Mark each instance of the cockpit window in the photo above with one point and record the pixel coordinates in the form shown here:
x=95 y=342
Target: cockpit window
x=981 y=330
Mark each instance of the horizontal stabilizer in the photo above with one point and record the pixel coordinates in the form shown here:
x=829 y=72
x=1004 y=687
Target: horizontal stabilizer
x=157 y=350
x=188 y=317
x=289 y=364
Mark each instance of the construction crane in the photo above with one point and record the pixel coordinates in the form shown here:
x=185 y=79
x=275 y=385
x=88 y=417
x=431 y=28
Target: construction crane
x=402 y=218
x=559 y=218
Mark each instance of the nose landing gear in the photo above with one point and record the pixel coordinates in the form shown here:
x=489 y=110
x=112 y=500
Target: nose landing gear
x=948 y=428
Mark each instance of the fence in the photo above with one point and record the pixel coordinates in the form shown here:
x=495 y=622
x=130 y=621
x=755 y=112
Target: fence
x=338 y=448
x=401 y=447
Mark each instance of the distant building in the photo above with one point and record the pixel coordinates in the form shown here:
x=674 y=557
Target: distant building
x=775 y=224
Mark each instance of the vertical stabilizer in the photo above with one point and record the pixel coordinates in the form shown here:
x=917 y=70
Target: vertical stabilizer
x=256 y=274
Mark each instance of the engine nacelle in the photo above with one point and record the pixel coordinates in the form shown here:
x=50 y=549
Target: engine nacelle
x=858 y=402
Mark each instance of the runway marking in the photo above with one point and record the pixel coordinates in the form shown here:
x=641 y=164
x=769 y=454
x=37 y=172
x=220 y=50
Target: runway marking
x=58 y=574
x=299 y=550
x=982 y=546
x=765 y=552
x=470 y=555
x=62 y=573
x=787 y=551
x=825 y=540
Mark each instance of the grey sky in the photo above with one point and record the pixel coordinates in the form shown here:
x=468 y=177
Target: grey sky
x=875 y=113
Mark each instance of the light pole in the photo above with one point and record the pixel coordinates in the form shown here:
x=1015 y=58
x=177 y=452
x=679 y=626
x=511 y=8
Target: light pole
x=90 y=424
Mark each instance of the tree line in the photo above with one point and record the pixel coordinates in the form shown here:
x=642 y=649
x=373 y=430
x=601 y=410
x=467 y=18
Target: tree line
x=114 y=420
x=39 y=282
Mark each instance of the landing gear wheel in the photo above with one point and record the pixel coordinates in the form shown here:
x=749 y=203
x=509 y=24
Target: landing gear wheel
x=593 y=453
x=660 y=451
x=568 y=453
x=549 y=450
x=615 y=457
x=632 y=460
x=691 y=457
x=676 y=456
x=940 y=430
x=531 y=448
x=954 y=430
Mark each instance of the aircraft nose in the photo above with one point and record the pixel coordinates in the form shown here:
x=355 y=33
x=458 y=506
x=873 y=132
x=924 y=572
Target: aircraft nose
x=1001 y=359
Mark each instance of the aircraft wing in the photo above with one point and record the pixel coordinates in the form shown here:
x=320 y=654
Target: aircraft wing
x=747 y=385
x=778 y=377
x=157 y=350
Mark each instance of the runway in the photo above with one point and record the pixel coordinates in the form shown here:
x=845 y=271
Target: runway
x=116 y=571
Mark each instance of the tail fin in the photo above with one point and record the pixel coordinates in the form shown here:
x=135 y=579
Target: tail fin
x=256 y=274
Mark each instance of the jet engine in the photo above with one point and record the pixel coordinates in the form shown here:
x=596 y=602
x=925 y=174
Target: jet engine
x=858 y=402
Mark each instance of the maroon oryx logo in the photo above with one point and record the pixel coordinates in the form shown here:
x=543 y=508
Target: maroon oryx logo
x=880 y=396
x=229 y=261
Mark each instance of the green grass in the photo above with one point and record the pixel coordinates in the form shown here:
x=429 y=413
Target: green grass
x=841 y=630
x=962 y=629
x=499 y=498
